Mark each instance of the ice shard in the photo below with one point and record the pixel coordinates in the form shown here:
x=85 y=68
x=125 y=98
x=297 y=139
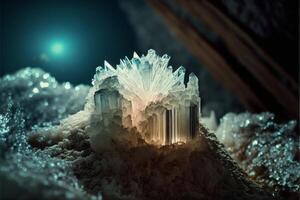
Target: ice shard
x=107 y=101
x=162 y=108
x=168 y=126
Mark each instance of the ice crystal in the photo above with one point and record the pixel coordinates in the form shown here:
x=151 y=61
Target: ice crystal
x=155 y=97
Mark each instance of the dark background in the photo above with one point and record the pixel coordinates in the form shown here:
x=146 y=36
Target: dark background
x=91 y=31
x=94 y=31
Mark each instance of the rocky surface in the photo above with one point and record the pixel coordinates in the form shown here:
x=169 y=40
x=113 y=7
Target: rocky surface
x=39 y=160
x=266 y=150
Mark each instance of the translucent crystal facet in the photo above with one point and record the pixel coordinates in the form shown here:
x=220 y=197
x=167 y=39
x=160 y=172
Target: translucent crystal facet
x=162 y=107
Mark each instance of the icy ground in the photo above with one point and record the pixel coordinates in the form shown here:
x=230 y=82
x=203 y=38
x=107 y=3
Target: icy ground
x=31 y=99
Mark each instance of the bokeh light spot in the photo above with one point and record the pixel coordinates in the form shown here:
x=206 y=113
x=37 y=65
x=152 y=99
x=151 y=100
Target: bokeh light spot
x=57 y=48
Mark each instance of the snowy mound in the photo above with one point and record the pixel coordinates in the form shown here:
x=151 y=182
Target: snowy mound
x=136 y=133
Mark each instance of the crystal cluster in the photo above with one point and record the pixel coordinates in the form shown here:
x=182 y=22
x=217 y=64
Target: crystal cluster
x=147 y=94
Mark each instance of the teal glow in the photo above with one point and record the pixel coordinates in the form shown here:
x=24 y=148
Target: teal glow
x=57 y=48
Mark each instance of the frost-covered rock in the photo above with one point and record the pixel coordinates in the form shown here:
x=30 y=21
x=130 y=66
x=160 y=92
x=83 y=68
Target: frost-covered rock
x=41 y=97
x=108 y=146
x=32 y=98
x=267 y=151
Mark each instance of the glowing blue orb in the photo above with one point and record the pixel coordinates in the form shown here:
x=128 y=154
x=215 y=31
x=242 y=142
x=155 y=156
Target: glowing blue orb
x=57 y=48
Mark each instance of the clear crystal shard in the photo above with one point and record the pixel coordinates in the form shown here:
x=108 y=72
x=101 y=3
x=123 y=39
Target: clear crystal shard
x=107 y=101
